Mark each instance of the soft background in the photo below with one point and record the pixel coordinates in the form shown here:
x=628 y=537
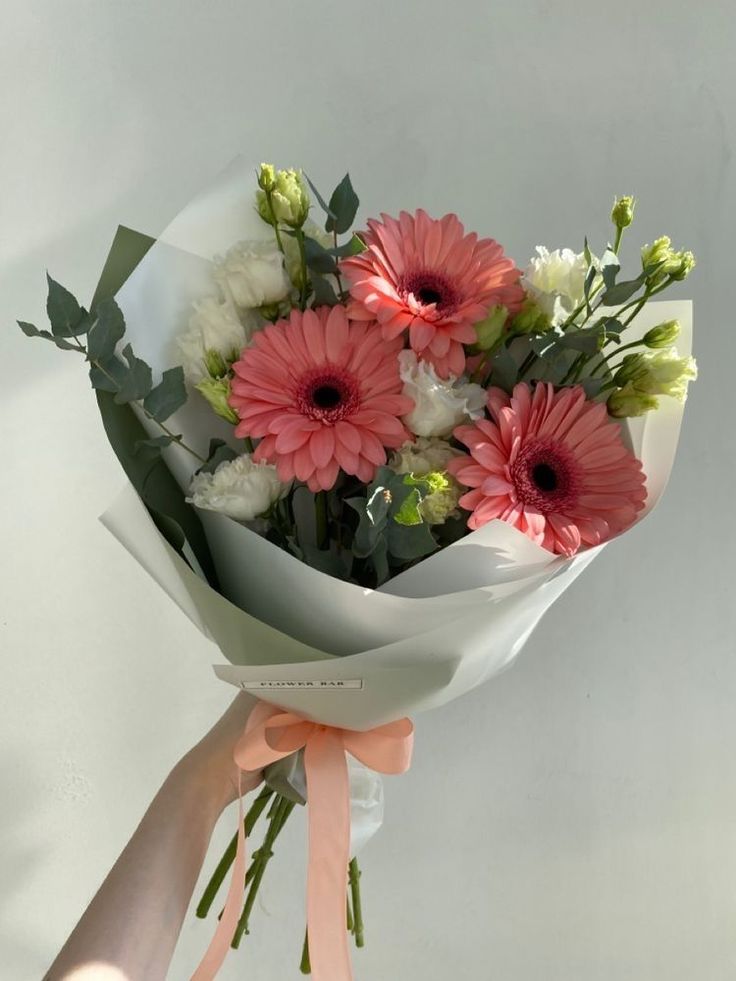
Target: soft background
x=573 y=821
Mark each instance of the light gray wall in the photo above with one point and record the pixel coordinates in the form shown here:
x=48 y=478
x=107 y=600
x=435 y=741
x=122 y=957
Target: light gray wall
x=575 y=820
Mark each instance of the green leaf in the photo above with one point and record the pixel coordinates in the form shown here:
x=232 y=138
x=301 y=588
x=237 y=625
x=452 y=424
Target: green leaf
x=108 y=377
x=169 y=395
x=343 y=207
x=219 y=452
x=409 y=514
x=355 y=246
x=592 y=386
x=322 y=203
x=30 y=330
x=137 y=380
x=66 y=316
x=108 y=329
x=318 y=258
x=622 y=292
x=410 y=542
x=504 y=370
x=586 y=341
x=610 y=267
x=154 y=483
x=324 y=294
x=150 y=449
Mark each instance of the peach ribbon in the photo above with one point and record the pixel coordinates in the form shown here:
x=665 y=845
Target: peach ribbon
x=270 y=735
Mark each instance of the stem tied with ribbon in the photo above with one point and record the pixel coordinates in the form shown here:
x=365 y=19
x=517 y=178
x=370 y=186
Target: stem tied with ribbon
x=272 y=735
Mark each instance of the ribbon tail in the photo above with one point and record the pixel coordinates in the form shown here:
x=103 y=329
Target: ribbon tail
x=220 y=944
x=328 y=795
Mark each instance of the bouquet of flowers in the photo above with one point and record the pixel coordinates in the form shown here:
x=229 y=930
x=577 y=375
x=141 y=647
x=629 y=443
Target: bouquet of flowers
x=365 y=463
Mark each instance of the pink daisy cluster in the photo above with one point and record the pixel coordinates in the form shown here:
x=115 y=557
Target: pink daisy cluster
x=553 y=465
x=322 y=395
x=430 y=278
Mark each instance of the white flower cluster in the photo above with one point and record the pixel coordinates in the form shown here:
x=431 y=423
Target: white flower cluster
x=239 y=488
x=556 y=281
x=439 y=404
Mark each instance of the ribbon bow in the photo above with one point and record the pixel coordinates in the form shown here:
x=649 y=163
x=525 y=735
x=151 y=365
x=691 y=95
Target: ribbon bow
x=270 y=735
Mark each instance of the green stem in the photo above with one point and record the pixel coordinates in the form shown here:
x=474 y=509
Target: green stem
x=299 y=234
x=256 y=872
x=350 y=920
x=147 y=414
x=274 y=222
x=355 y=874
x=218 y=876
x=619 y=236
x=338 y=280
x=304 y=966
x=320 y=516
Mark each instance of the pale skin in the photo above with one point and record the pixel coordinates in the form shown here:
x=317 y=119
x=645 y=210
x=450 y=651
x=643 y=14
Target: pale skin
x=130 y=929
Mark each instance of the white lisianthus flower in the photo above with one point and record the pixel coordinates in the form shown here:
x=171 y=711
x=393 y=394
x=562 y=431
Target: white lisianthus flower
x=213 y=339
x=439 y=404
x=239 y=488
x=252 y=274
x=556 y=281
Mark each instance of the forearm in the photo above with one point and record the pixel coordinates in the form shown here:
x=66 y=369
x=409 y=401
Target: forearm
x=133 y=922
x=130 y=929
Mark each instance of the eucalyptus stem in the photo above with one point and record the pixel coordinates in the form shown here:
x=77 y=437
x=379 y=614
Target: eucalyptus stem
x=281 y=812
x=165 y=429
x=338 y=279
x=355 y=874
x=218 y=876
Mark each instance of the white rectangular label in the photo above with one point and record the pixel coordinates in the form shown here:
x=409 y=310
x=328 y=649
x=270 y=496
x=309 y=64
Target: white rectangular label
x=355 y=684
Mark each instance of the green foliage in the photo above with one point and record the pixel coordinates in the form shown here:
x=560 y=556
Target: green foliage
x=390 y=528
x=65 y=315
x=623 y=291
x=169 y=395
x=343 y=207
x=107 y=330
x=30 y=330
x=136 y=381
x=324 y=294
x=219 y=452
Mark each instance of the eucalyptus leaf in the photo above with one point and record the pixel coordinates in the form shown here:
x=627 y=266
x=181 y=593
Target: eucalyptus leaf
x=108 y=329
x=343 y=207
x=410 y=542
x=219 y=452
x=318 y=258
x=30 y=330
x=136 y=381
x=586 y=341
x=324 y=293
x=169 y=395
x=108 y=377
x=504 y=370
x=66 y=316
x=355 y=246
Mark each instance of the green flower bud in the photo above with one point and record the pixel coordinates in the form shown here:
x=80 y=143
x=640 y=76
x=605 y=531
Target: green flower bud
x=531 y=319
x=275 y=311
x=630 y=368
x=217 y=393
x=287 y=201
x=267 y=177
x=663 y=334
x=687 y=264
x=216 y=364
x=660 y=260
x=622 y=213
x=628 y=402
x=490 y=331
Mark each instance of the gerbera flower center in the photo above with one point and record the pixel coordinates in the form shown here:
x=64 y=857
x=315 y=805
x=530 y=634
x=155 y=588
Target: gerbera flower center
x=327 y=394
x=546 y=476
x=429 y=288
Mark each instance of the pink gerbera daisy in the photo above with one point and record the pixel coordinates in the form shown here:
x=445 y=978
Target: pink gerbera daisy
x=553 y=465
x=428 y=276
x=321 y=394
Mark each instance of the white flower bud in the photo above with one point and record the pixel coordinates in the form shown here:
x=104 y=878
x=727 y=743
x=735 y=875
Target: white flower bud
x=439 y=404
x=239 y=488
x=252 y=274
